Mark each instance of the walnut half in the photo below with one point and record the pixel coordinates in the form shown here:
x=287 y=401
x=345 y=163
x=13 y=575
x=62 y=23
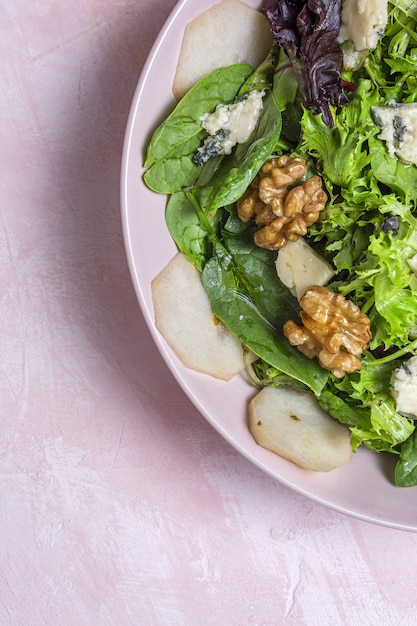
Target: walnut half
x=282 y=211
x=334 y=330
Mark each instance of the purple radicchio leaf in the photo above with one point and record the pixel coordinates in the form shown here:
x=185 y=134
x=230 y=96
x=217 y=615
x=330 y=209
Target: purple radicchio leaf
x=308 y=32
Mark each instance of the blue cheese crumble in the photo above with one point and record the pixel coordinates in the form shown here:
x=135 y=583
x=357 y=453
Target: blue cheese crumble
x=398 y=124
x=404 y=388
x=229 y=125
x=363 y=22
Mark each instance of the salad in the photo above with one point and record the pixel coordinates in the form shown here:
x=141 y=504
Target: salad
x=347 y=115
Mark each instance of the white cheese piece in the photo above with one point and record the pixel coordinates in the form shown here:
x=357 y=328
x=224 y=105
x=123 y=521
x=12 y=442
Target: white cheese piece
x=238 y=120
x=363 y=22
x=404 y=387
x=398 y=124
x=300 y=267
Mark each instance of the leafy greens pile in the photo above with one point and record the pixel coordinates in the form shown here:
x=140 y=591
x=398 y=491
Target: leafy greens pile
x=314 y=110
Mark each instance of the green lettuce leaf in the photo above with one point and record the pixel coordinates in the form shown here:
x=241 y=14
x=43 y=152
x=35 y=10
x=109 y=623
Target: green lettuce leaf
x=339 y=150
x=362 y=402
x=384 y=281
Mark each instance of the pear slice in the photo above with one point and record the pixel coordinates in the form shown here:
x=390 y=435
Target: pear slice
x=291 y=423
x=184 y=318
x=229 y=32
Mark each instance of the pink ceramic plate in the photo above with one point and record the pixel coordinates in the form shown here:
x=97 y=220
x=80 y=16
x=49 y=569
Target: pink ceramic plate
x=363 y=489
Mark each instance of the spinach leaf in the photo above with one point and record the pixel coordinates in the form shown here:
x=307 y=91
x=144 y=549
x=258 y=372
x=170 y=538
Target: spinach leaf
x=173 y=144
x=243 y=301
x=263 y=75
x=170 y=175
x=406 y=468
x=257 y=266
x=192 y=234
x=220 y=86
x=238 y=170
x=285 y=85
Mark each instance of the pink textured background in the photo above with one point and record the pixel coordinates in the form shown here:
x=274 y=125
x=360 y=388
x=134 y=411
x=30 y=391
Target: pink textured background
x=119 y=504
